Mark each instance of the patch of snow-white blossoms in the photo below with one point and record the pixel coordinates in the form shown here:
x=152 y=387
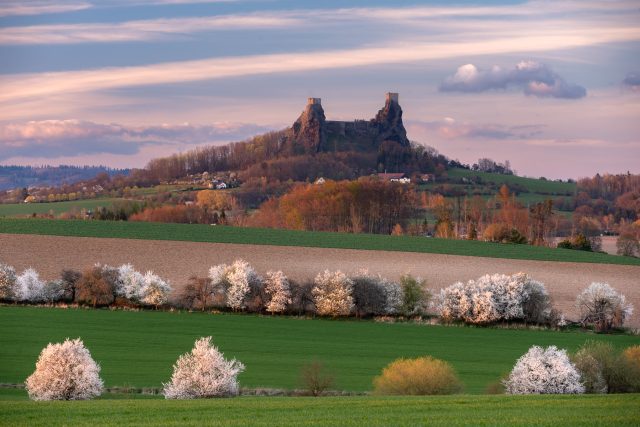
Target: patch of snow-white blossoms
x=65 y=371
x=332 y=294
x=602 y=306
x=277 y=287
x=155 y=291
x=495 y=297
x=29 y=286
x=129 y=283
x=7 y=282
x=203 y=372
x=544 y=371
x=147 y=288
x=394 y=296
x=237 y=279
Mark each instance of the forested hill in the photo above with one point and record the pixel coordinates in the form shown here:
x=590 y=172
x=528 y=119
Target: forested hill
x=313 y=147
x=44 y=176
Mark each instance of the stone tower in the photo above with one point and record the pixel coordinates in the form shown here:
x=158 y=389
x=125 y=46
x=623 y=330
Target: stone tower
x=392 y=96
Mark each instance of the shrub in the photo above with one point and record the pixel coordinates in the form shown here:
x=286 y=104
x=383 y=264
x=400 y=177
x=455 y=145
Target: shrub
x=154 y=291
x=240 y=282
x=96 y=286
x=69 y=279
x=203 y=372
x=421 y=376
x=628 y=244
x=369 y=296
x=54 y=291
x=302 y=300
x=65 y=372
x=544 y=371
x=332 y=294
x=605 y=370
x=632 y=359
x=7 y=282
x=603 y=307
x=414 y=297
x=277 y=287
x=496 y=297
x=198 y=291
x=29 y=287
x=314 y=378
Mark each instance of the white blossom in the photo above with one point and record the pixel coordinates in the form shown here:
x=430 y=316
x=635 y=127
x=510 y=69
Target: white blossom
x=603 y=306
x=496 y=297
x=203 y=372
x=278 y=288
x=155 y=291
x=332 y=294
x=130 y=283
x=8 y=289
x=544 y=371
x=65 y=371
x=394 y=296
x=29 y=286
x=237 y=279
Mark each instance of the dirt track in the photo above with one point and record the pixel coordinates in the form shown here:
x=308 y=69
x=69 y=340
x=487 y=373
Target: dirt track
x=178 y=260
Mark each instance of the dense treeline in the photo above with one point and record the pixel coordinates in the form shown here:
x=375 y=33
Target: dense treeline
x=366 y=205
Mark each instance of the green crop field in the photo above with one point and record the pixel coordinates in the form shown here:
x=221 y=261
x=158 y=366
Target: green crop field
x=533 y=185
x=22 y=209
x=138 y=349
x=264 y=236
x=592 y=410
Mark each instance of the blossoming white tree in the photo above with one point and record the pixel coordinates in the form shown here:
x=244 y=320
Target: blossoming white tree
x=602 y=306
x=7 y=282
x=154 y=291
x=237 y=279
x=29 y=287
x=495 y=297
x=332 y=294
x=544 y=371
x=203 y=372
x=65 y=371
x=277 y=287
x=130 y=283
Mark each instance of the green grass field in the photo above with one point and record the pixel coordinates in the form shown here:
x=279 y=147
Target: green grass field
x=138 y=349
x=23 y=209
x=532 y=184
x=593 y=410
x=264 y=236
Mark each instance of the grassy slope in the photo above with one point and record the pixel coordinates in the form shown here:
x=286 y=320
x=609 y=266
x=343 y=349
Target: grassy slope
x=352 y=411
x=532 y=184
x=139 y=348
x=263 y=236
x=21 y=209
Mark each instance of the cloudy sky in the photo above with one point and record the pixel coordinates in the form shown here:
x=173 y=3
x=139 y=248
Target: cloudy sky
x=552 y=86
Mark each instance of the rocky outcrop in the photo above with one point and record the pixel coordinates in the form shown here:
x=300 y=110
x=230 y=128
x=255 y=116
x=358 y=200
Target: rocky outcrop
x=312 y=133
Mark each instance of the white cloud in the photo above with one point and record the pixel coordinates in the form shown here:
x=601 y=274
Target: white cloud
x=39 y=7
x=143 y=30
x=534 y=78
x=449 y=128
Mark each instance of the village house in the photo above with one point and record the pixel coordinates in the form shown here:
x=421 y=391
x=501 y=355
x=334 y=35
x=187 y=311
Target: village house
x=395 y=177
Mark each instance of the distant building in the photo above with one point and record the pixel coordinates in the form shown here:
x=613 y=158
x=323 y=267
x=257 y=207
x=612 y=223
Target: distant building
x=320 y=181
x=428 y=177
x=221 y=186
x=394 y=177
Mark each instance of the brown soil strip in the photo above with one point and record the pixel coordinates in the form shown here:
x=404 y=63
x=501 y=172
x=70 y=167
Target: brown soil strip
x=177 y=261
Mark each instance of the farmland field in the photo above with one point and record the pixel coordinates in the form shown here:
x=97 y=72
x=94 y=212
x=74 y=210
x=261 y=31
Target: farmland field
x=23 y=209
x=263 y=236
x=138 y=348
x=533 y=185
x=591 y=410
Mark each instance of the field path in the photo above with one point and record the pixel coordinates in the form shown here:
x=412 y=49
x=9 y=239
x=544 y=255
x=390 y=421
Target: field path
x=177 y=261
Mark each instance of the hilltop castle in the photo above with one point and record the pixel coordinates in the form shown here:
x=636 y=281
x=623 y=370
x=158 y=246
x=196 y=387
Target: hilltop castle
x=312 y=133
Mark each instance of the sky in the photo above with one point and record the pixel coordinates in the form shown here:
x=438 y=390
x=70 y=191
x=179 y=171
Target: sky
x=551 y=86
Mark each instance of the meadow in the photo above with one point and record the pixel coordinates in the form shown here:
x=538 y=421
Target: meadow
x=264 y=236
x=590 y=410
x=533 y=185
x=24 y=209
x=138 y=349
